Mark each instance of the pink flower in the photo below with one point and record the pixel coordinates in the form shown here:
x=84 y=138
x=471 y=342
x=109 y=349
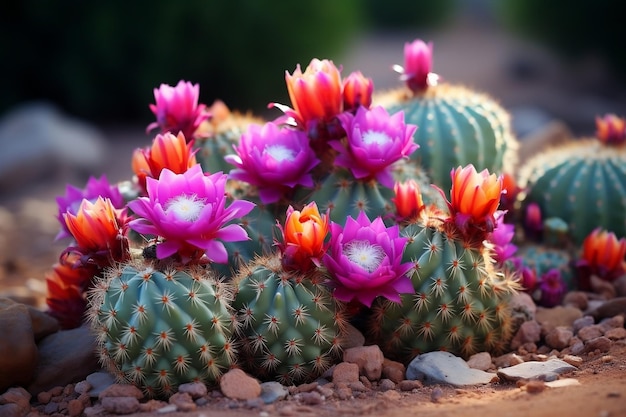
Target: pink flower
x=274 y=159
x=357 y=91
x=418 y=62
x=375 y=140
x=611 y=129
x=501 y=237
x=74 y=197
x=177 y=109
x=188 y=213
x=364 y=258
x=552 y=287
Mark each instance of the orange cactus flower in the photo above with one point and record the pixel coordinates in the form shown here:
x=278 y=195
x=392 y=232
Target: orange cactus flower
x=304 y=237
x=98 y=229
x=604 y=253
x=408 y=200
x=611 y=129
x=167 y=151
x=473 y=193
x=316 y=93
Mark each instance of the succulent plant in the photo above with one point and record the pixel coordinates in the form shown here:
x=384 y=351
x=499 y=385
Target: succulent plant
x=461 y=301
x=582 y=182
x=457 y=125
x=159 y=327
x=543 y=258
x=291 y=326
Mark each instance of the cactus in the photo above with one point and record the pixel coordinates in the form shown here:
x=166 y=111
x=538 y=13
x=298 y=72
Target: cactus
x=543 y=258
x=158 y=328
x=290 y=324
x=457 y=126
x=460 y=303
x=582 y=182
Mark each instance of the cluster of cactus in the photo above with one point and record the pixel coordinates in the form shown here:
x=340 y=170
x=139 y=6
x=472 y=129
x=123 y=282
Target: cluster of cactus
x=583 y=182
x=290 y=325
x=460 y=305
x=159 y=327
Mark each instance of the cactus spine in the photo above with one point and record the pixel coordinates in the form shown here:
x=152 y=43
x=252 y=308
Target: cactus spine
x=159 y=328
x=290 y=324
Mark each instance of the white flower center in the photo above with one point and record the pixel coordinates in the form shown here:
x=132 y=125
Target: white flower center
x=280 y=153
x=365 y=254
x=379 y=138
x=185 y=207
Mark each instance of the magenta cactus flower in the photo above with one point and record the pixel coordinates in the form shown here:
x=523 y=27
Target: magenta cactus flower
x=275 y=159
x=552 y=287
x=418 y=63
x=71 y=201
x=375 y=140
x=188 y=214
x=177 y=109
x=501 y=238
x=364 y=259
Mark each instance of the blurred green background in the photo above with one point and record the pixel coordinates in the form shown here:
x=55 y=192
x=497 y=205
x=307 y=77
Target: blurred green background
x=101 y=60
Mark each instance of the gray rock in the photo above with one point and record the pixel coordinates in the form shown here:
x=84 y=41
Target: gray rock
x=99 y=382
x=536 y=370
x=65 y=357
x=445 y=368
x=38 y=141
x=273 y=391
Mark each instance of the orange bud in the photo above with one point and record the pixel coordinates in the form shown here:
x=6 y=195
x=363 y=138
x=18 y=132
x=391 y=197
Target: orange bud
x=303 y=236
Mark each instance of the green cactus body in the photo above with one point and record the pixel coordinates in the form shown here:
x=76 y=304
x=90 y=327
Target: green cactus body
x=583 y=183
x=290 y=324
x=217 y=141
x=543 y=258
x=161 y=328
x=345 y=196
x=460 y=303
x=456 y=127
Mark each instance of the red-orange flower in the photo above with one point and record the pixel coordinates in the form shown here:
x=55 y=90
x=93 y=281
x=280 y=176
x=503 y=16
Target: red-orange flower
x=604 y=254
x=304 y=237
x=167 y=151
x=611 y=129
x=99 y=231
x=316 y=93
x=474 y=199
x=408 y=200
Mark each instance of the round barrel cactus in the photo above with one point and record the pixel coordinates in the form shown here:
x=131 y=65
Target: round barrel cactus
x=291 y=327
x=460 y=305
x=159 y=328
x=456 y=126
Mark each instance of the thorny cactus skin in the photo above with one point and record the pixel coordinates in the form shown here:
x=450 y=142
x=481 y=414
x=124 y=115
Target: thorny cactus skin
x=457 y=126
x=159 y=328
x=582 y=182
x=291 y=327
x=460 y=303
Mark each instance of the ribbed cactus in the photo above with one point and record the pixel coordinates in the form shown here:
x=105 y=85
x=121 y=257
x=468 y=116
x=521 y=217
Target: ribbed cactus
x=543 y=258
x=456 y=126
x=460 y=303
x=161 y=328
x=290 y=325
x=582 y=182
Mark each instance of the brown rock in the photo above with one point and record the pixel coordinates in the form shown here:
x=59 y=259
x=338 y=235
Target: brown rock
x=18 y=351
x=120 y=405
x=550 y=318
x=369 y=358
x=559 y=337
x=183 y=401
x=236 y=384
x=393 y=370
x=346 y=372
x=121 y=390
x=43 y=323
x=529 y=331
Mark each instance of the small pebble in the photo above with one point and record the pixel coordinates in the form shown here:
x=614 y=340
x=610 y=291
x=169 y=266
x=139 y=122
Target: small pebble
x=436 y=394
